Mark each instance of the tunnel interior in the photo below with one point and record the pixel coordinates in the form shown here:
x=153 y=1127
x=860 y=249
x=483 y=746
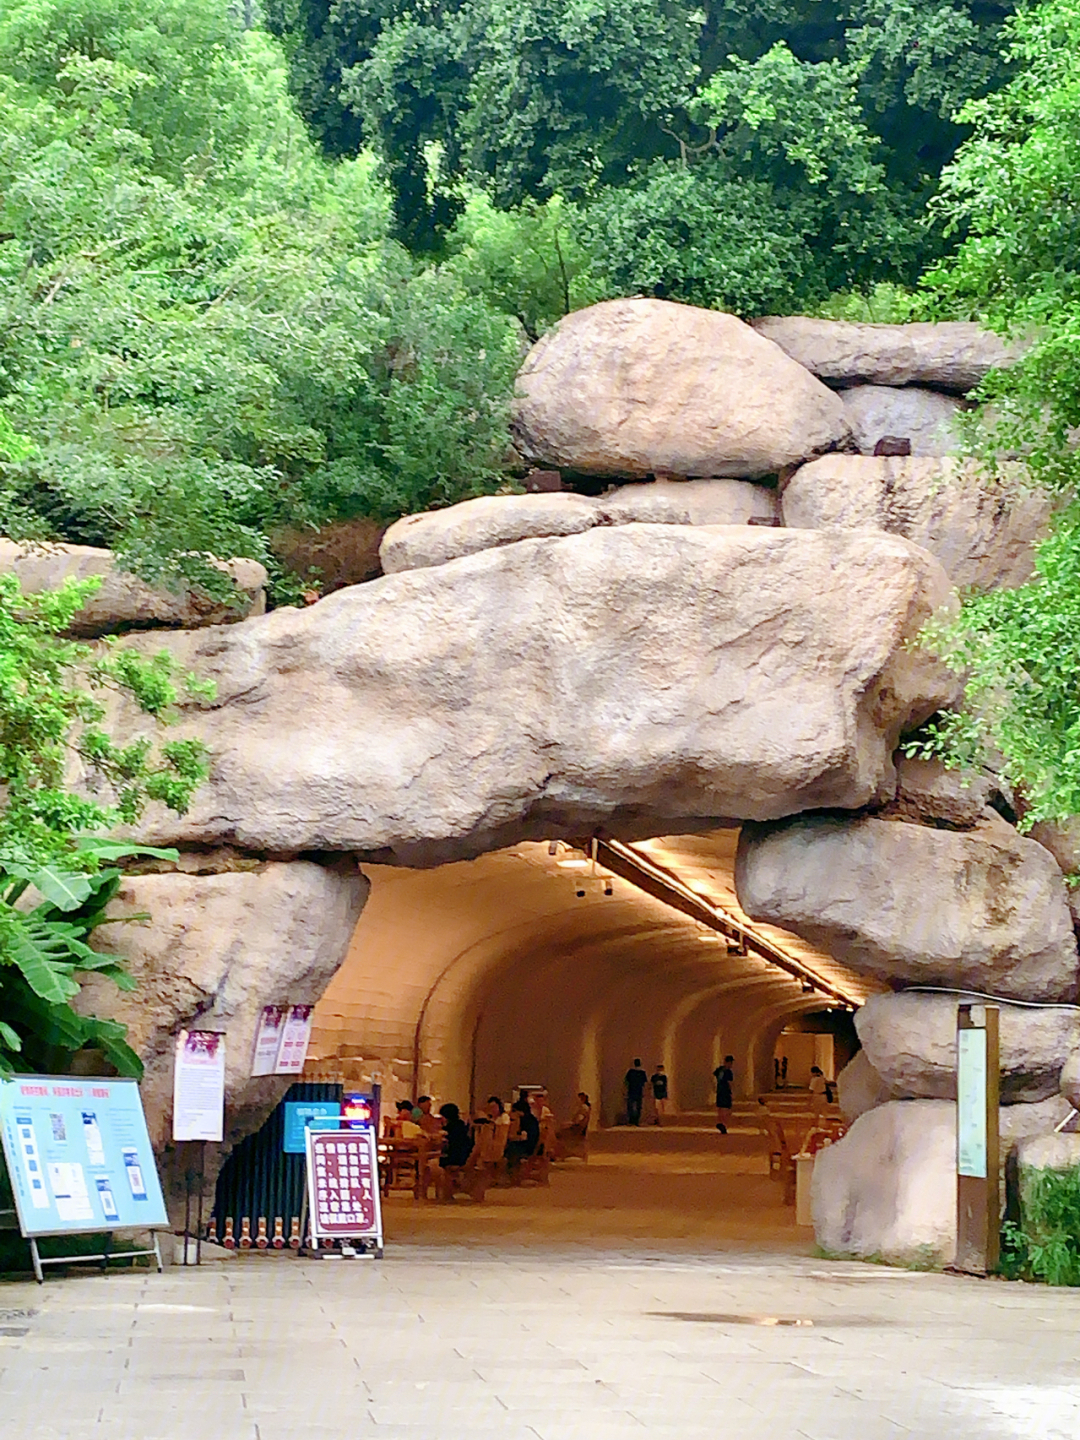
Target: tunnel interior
x=558 y=963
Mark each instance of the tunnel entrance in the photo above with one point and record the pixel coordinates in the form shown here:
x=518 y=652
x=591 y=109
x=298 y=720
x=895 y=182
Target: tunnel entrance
x=555 y=964
x=552 y=964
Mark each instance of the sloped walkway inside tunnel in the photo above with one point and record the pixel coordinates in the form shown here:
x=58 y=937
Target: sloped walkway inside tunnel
x=679 y=1187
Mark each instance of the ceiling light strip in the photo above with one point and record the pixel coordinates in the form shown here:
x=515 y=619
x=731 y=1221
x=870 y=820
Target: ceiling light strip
x=666 y=885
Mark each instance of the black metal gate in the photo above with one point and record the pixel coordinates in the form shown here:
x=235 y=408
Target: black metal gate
x=260 y=1191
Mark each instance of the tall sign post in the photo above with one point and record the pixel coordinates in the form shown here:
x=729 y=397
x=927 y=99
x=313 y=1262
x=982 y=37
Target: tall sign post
x=978 y=1150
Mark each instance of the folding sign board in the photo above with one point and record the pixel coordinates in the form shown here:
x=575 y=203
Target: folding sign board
x=343 y=1186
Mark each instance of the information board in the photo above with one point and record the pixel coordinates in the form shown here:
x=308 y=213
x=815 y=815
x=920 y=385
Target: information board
x=199 y=1085
x=78 y=1155
x=299 y=1114
x=343 y=1185
x=971 y=1103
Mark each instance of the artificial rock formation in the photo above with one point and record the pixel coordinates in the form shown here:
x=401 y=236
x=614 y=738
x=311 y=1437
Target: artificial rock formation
x=910 y=1041
x=887 y=1190
x=859 y=1088
x=637 y=677
x=123 y=602
x=926 y=418
x=436 y=536
x=631 y=388
x=984 y=910
x=217 y=949
x=703 y=502
x=929 y=794
x=955 y=356
x=983 y=529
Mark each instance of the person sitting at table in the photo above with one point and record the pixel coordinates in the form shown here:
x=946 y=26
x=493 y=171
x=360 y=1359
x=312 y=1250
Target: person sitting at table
x=524 y=1134
x=430 y=1124
x=457 y=1149
x=403 y=1126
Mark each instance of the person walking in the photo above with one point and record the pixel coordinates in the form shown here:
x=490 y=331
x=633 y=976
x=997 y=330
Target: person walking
x=636 y=1080
x=724 y=1076
x=658 y=1083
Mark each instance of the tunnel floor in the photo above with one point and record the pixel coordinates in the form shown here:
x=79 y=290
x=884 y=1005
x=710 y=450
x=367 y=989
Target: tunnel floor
x=678 y=1186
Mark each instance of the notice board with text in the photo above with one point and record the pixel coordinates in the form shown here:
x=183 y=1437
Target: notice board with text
x=78 y=1155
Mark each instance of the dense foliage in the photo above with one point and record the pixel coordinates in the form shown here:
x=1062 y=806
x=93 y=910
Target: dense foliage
x=55 y=880
x=1016 y=188
x=747 y=154
x=204 y=328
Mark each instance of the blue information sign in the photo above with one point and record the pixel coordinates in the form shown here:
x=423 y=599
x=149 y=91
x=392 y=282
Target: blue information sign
x=304 y=1115
x=78 y=1155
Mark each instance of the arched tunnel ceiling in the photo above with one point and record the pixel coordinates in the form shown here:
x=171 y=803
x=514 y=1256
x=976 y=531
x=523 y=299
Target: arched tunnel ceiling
x=433 y=947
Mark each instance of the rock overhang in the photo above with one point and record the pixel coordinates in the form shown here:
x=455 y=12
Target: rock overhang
x=651 y=675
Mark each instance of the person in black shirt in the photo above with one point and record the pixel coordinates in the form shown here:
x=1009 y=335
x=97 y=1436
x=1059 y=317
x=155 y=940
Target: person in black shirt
x=636 y=1080
x=724 y=1077
x=527 y=1138
x=658 y=1083
x=457 y=1145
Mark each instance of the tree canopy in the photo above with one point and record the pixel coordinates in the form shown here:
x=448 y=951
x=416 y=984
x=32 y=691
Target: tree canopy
x=1014 y=190
x=205 y=329
x=835 y=123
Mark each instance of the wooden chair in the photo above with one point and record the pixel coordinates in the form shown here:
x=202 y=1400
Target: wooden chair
x=572 y=1143
x=781 y=1164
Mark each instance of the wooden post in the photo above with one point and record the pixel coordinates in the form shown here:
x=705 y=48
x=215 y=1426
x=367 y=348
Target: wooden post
x=978 y=1150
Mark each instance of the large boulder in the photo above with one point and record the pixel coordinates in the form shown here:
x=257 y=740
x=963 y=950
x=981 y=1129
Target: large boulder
x=928 y=793
x=436 y=536
x=639 y=677
x=703 y=502
x=887 y=1190
x=925 y=417
x=646 y=387
x=219 y=947
x=954 y=355
x=1048 y=1152
x=860 y=1088
x=910 y=1040
x=123 y=602
x=984 y=910
x=982 y=528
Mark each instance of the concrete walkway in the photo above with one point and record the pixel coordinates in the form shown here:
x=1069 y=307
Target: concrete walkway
x=665 y=1319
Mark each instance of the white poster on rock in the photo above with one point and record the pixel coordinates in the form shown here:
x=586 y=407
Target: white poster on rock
x=199 y=1085
x=294 y=1040
x=268 y=1039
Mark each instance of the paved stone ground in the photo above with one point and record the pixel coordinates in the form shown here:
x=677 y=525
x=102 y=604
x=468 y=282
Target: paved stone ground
x=552 y=1344
x=486 y=1324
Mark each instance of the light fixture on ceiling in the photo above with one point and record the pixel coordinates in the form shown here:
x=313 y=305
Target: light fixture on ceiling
x=737 y=947
x=808 y=987
x=577 y=862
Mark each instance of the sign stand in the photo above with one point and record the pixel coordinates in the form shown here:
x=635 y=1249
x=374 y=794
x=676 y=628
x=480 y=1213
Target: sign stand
x=106 y=1255
x=194 y=1177
x=341 y=1197
x=79 y=1161
x=978 y=1150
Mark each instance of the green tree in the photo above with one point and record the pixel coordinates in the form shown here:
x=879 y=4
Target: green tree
x=55 y=875
x=1015 y=190
x=533 y=98
x=205 y=331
